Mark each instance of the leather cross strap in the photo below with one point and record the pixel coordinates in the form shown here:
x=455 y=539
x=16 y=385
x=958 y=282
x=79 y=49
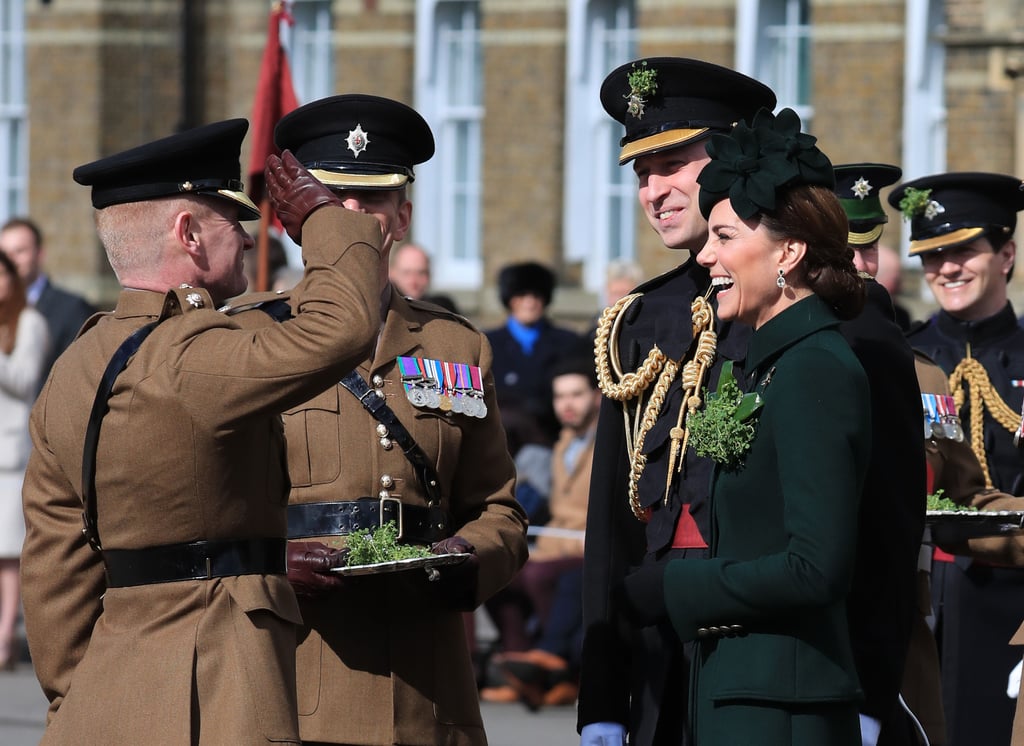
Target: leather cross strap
x=376 y=406
x=92 y=433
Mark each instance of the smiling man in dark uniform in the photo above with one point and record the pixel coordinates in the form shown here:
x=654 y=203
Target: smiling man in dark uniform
x=415 y=432
x=648 y=498
x=961 y=227
x=169 y=619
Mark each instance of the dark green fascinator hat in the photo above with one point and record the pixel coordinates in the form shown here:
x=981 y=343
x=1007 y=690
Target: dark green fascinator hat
x=750 y=164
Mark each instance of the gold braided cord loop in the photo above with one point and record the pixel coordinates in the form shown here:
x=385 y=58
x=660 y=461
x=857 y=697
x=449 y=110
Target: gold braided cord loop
x=983 y=395
x=639 y=418
x=693 y=376
x=638 y=460
x=606 y=357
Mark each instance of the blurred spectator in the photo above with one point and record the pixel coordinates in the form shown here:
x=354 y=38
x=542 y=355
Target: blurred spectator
x=889 y=276
x=532 y=456
x=277 y=261
x=24 y=349
x=528 y=345
x=620 y=279
x=22 y=240
x=409 y=272
x=539 y=619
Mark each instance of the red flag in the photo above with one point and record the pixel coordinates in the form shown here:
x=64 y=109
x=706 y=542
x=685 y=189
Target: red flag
x=275 y=97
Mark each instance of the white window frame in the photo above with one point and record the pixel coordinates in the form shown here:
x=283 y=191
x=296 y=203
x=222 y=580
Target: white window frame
x=773 y=45
x=13 y=111
x=447 y=193
x=310 y=46
x=601 y=36
x=924 y=84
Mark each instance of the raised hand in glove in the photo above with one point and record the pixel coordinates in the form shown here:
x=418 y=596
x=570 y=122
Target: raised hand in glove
x=309 y=568
x=294 y=193
x=457 y=583
x=642 y=594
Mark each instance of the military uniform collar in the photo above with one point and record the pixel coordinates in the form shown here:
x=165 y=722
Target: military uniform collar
x=979 y=332
x=400 y=333
x=798 y=321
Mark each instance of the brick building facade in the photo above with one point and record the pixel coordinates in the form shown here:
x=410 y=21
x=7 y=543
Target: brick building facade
x=102 y=75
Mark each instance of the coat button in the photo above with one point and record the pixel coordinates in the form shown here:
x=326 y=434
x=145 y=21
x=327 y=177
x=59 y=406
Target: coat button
x=382 y=431
x=383 y=494
x=386 y=481
x=386 y=444
x=702 y=632
x=379 y=392
x=378 y=380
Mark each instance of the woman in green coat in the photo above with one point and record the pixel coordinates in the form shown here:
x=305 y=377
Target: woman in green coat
x=768 y=609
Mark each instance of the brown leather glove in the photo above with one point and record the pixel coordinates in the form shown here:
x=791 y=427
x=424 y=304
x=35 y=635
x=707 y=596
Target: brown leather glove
x=309 y=568
x=294 y=193
x=457 y=583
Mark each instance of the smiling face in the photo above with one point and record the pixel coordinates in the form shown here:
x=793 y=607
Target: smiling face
x=668 y=189
x=744 y=261
x=969 y=281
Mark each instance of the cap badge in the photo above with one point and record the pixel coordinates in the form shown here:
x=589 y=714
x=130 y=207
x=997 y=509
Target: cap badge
x=861 y=188
x=919 y=202
x=187 y=186
x=642 y=83
x=357 y=140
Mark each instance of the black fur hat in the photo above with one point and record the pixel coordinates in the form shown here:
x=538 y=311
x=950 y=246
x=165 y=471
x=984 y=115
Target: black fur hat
x=526 y=277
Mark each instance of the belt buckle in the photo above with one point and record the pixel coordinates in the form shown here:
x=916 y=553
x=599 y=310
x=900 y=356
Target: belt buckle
x=398 y=508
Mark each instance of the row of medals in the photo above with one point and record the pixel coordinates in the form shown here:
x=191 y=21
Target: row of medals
x=470 y=404
x=940 y=418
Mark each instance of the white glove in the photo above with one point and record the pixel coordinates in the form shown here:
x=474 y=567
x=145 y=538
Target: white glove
x=603 y=734
x=1013 y=683
x=869 y=730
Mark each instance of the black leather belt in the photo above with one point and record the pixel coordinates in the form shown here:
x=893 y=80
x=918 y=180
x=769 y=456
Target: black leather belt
x=416 y=524
x=198 y=560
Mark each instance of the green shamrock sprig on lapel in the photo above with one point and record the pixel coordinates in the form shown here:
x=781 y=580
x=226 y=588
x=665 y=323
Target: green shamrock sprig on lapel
x=723 y=430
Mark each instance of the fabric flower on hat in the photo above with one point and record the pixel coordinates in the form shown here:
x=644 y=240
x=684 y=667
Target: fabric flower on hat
x=750 y=164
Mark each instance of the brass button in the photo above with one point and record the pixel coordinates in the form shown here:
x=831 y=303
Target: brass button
x=386 y=481
x=378 y=380
x=383 y=494
x=386 y=444
x=382 y=430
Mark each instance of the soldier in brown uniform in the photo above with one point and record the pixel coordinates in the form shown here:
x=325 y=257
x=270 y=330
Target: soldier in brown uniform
x=170 y=618
x=383 y=658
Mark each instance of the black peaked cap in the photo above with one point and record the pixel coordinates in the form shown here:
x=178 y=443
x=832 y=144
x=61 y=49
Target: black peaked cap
x=199 y=161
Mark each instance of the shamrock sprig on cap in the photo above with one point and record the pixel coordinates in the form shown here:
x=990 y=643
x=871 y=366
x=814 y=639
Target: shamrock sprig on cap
x=643 y=82
x=917 y=202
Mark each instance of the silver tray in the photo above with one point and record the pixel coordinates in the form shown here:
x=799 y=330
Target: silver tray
x=427 y=563
x=948 y=526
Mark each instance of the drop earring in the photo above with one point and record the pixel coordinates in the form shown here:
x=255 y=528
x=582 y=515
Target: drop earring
x=781 y=282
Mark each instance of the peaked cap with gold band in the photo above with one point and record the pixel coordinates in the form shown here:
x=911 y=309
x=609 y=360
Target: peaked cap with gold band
x=357 y=141
x=857 y=187
x=200 y=161
x=948 y=210
x=665 y=102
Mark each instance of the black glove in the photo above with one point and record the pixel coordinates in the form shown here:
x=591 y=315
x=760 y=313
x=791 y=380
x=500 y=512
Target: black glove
x=294 y=193
x=457 y=583
x=642 y=594
x=309 y=568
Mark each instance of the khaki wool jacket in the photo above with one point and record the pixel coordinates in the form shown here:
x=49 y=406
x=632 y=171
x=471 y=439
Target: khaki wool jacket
x=192 y=449
x=383 y=660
